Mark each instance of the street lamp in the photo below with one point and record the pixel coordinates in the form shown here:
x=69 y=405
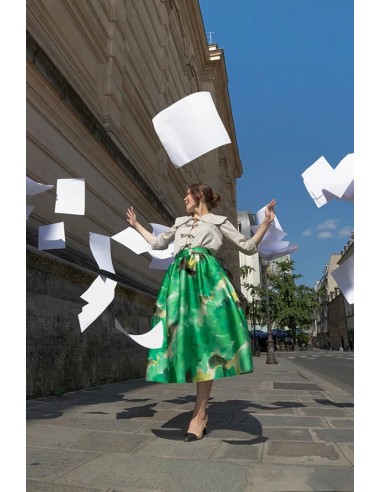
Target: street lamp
x=271 y=356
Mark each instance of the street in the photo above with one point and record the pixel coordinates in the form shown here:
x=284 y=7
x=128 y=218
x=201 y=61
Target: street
x=336 y=367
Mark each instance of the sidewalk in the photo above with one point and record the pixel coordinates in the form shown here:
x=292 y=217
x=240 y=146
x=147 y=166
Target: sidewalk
x=279 y=429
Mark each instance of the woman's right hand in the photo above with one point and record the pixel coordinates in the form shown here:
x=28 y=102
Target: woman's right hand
x=131 y=217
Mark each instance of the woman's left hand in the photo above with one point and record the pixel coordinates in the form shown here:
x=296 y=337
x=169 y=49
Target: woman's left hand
x=270 y=211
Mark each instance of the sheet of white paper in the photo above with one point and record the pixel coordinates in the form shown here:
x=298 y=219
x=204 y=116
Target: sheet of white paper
x=161 y=264
x=158 y=228
x=315 y=178
x=342 y=178
x=152 y=339
x=273 y=245
x=272 y=255
x=98 y=296
x=29 y=209
x=70 y=197
x=190 y=128
x=272 y=232
x=349 y=193
x=163 y=253
x=101 y=248
x=324 y=183
x=132 y=240
x=34 y=188
x=344 y=276
x=261 y=215
x=51 y=236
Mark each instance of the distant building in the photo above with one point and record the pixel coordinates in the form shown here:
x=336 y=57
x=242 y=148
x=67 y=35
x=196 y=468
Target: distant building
x=245 y=221
x=335 y=317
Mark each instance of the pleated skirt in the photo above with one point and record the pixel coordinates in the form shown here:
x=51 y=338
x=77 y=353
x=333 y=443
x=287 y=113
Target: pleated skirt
x=206 y=335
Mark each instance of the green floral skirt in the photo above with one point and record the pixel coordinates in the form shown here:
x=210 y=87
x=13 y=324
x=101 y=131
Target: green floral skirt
x=205 y=330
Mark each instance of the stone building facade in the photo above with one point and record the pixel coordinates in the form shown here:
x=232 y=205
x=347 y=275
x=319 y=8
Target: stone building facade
x=97 y=73
x=335 y=317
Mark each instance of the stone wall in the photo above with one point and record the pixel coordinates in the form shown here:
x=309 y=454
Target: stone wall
x=97 y=73
x=59 y=357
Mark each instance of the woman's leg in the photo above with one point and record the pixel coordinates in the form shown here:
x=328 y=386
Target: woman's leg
x=199 y=413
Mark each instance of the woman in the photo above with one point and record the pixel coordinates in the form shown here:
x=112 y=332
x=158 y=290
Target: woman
x=205 y=330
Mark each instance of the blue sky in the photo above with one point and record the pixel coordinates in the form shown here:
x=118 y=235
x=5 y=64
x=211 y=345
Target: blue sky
x=290 y=67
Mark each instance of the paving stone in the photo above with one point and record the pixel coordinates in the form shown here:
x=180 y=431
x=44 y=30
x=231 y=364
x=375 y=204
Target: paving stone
x=335 y=435
x=111 y=442
x=285 y=434
x=293 y=478
x=43 y=463
x=129 y=472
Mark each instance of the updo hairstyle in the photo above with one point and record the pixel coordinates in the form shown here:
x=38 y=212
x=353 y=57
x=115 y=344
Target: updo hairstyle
x=211 y=199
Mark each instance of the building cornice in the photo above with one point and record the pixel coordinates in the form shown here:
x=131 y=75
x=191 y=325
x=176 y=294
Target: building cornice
x=41 y=61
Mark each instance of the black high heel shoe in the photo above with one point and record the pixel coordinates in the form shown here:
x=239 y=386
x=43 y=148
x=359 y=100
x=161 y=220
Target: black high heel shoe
x=190 y=436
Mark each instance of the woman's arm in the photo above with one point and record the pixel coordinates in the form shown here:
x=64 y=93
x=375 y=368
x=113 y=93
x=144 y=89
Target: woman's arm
x=269 y=217
x=157 y=242
x=131 y=219
x=249 y=246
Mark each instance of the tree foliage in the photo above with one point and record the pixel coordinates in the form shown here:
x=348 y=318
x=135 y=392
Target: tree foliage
x=288 y=305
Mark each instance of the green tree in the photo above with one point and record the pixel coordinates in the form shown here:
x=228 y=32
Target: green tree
x=290 y=305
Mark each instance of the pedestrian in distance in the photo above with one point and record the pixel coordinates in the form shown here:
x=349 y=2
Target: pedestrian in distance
x=206 y=336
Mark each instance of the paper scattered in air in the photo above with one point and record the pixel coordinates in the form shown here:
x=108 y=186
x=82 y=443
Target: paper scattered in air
x=152 y=339
x=98 y=296
x=51 y=236
x=100 y=246
x=163 y=254
x=132 y=240
x=34 y=188
x=135 y=242
x=344 y=277
x=277 y=250
x=272 y=246
x=190 y=128
x=70 y=196
x=324 y=183
x=159 y=228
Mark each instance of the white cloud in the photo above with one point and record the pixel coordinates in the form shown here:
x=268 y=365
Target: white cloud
x=325 y=235
x=307 y=232
x=327 y=224
x=346 y=232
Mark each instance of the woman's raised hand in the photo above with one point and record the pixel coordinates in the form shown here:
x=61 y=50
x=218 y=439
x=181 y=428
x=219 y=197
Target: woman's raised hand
x=270 y=211
x=131 y=217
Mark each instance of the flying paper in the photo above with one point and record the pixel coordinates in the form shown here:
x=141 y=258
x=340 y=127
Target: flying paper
x=163 y=254
x=101 y=248
x=34 y=188
x=272 y=246
x=344 y=277
x=152 y=339
x=274 y=225
x=70 y=196
x=98 y=296
x=190 y=127
x=159 y=228
x=51 y=236
x=132 y=240
x=324 y=183
x=278 y=251
x=342 y=184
